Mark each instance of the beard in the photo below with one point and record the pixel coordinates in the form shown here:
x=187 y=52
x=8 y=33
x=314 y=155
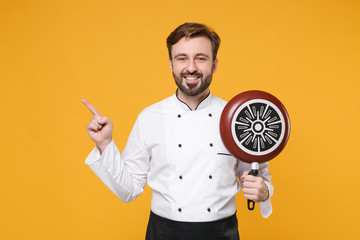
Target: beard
x=193 y=89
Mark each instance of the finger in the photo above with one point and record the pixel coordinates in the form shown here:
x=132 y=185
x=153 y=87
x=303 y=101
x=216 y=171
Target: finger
x=252 y=185
x=93 y=126
x=103 y=120
x=251 y=197
x=92 y=109
x=95 y=120
x=249 y=191
x=251 y=178
x=244 y=175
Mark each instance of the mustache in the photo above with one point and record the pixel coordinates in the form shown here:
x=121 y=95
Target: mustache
x=196 y=74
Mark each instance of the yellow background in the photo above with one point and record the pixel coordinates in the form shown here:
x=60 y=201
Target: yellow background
x=113 y=53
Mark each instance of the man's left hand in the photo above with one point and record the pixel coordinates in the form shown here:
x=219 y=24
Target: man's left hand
x=254 y=187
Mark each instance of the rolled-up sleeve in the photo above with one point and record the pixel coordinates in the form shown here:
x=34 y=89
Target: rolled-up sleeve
x=265 y=206
x=126 y=174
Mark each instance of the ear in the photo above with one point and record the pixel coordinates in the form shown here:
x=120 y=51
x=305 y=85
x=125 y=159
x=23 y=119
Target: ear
x=171 y=67
x=215 y=65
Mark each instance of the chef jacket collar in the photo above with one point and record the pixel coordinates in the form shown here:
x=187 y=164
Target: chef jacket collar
x=203 y=104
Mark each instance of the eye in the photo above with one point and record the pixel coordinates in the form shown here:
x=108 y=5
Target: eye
x=180 y=59
x=202 y=59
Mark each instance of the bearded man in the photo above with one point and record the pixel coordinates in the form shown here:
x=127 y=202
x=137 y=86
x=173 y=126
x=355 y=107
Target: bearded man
x=175 y=148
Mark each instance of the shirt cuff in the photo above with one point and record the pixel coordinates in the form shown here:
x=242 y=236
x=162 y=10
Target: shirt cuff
x=95 y=156
x=265 y=206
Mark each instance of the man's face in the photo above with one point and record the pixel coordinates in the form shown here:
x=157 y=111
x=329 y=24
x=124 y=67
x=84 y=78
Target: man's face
x=192 y=65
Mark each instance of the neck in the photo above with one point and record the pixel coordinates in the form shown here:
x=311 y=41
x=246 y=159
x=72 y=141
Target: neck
x=192 y=101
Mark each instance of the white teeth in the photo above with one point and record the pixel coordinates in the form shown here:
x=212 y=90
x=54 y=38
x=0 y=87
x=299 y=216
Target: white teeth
x=191 y=78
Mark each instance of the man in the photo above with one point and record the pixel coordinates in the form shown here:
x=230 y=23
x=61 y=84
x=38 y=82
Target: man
x=175 y=147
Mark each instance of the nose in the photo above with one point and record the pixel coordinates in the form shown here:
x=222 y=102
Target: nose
x=191 y=67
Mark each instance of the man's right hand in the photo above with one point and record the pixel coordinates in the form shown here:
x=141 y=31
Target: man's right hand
x=99 y=128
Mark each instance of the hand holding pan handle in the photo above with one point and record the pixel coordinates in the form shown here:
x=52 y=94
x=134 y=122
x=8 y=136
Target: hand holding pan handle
x=254 y=127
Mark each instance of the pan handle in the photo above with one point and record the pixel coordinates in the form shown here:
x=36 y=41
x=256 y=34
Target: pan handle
x=254 y=171
x=251 y=205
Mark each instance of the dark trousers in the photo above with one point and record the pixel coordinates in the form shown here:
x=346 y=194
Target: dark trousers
x=160 y=228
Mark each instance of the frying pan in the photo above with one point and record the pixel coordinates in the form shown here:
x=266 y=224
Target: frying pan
x=254 y=127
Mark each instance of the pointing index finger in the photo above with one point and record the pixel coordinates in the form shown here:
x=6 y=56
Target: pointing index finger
x=92 y=109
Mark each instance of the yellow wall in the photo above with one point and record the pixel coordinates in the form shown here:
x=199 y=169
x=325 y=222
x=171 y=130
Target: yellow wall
x=53 y=53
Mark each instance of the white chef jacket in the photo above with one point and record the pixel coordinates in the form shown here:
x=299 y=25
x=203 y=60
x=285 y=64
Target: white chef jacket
x=179 y=154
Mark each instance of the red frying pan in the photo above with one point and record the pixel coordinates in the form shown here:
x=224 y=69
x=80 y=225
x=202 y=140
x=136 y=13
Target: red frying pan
x=254 y=127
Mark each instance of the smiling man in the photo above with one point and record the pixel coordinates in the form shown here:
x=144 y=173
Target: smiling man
x=175 y=148
x=192 y=65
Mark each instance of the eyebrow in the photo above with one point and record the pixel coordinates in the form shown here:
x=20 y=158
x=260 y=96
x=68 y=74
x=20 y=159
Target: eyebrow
x=199 y=54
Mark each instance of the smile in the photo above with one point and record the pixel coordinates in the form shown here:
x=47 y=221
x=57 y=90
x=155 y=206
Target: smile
x=191 y=78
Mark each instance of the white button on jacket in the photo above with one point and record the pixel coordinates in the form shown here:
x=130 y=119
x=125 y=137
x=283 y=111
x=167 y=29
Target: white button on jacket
x=180 y=155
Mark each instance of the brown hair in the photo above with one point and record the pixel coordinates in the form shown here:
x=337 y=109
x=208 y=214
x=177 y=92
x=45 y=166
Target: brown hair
x=190 y=30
